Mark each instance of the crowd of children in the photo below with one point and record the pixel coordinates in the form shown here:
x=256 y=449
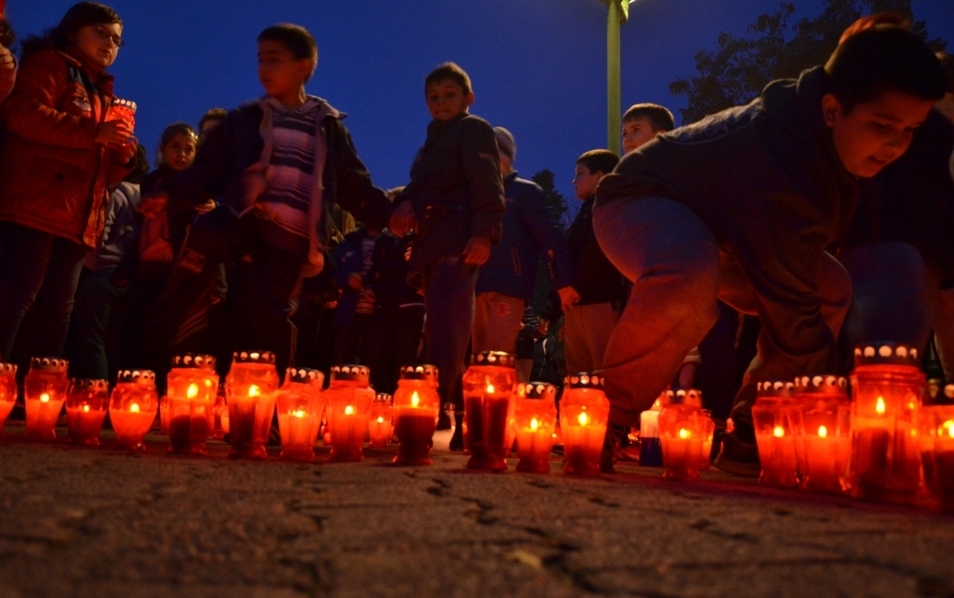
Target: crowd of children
x=264 y=230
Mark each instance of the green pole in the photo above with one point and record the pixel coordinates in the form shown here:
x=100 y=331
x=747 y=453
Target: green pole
x=613 y=90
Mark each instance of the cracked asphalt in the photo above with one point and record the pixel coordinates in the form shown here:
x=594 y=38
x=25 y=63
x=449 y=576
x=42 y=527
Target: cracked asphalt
x=91 y=522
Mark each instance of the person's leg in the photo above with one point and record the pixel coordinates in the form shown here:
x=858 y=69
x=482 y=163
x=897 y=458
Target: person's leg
x=497 y=321
x=54 y=302
x=575 y=348
x=673 y=260
x=86 y=346
x=24 y=257
x=944 y=331
x=599 y=321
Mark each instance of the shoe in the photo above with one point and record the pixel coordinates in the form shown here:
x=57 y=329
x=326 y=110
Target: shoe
x=611 y=444
x=457 y=440
x=738 y=457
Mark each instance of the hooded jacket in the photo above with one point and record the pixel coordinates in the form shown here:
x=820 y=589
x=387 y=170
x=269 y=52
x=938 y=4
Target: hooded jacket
x=54 y=177
x=768 y=182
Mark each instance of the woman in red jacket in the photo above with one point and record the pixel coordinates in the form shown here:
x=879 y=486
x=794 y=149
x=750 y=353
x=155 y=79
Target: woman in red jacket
x=59 y=157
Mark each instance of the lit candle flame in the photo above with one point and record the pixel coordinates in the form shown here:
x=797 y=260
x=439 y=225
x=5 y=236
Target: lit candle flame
x=254 y=391
x=778 y=432
x=684 y=433
x=134 y=408
x=415 y=399
x=822 y=432
x=45 y=398
x=534 y=424
x=380 y=419
x=299 y=414
x=490 y=389
x=880 y=408
x=949 y=424
x=583 y=418
x=85 y=408
x=193 y=391
x=349 y=410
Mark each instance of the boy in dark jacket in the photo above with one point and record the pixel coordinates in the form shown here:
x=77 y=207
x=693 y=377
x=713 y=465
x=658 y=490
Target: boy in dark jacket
x=741 y=207
x=506 y=282
x=275 y=162
x=455 y=205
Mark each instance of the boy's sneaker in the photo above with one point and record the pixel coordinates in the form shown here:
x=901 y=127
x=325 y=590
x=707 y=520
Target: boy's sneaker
x=738 y=457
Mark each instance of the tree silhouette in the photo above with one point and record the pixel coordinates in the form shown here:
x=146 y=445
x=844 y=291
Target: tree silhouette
x=774 y=48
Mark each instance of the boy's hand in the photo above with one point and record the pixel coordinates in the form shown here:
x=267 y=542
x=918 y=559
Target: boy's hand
x=568 y=297
x=7 y=61
x=153 y=204
x=355 y=282
x=477 y=251
x=206 y=207
x=127 y=152
x=403 y=220
x=113 y=132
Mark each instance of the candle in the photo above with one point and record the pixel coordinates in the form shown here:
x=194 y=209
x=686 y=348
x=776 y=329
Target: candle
x=937 y=446
x=86 y=406
x=584 y=412
x=416 y=405
x=8 y=391
x=381 y=421
x=298 y=429
x=250 y=390
x=776 y=417
x=535 y=421
x=348 y=404
x=132 y=407
x=822 y=441
x=192 y=387
x=488 y=409
x=299 y=403
x=650 y=447
x=885 y=461
x=45 y=389
x=684 y=429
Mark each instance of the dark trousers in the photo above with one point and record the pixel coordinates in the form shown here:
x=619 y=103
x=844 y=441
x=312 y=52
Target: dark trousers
x=97 y=300
x=39 y=271
x=397 y=342
x=263 y=299
x=449 y=300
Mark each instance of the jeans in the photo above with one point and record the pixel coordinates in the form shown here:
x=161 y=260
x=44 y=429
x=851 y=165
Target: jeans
x=586 y=333
x=678 y=275
x=96 y=298
x=497 y=320
x=39 y=271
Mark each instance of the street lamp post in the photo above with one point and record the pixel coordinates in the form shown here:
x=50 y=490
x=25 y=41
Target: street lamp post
x=617 y=14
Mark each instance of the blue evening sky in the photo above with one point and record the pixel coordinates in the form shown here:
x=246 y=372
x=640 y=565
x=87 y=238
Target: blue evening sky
x=538 y=66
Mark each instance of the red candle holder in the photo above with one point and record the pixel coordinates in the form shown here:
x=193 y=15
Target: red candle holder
x=776 y=418
x=250 y=390
x=885 y=462
x=192 y=386
x=937 y=453
x=684 y=432
x=44 y=390
x=349 y=402
x=8 y=391
x=584 y=414
x=132 y=408
x=416 y=405
x=488 y=409
x=381 y=421
x=535 y=423
x=86 y=406
x=823 y=441
x=300 y=404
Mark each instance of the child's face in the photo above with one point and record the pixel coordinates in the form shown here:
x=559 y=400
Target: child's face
x=446 y=99
x=636 y=132
x=281 y=73
x=99 y=43
x=585 y=181
x=179 y=152
x=874 y=133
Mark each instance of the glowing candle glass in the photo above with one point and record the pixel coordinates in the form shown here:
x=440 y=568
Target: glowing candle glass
x=488 y=409
x=44 y=389
x=535 y=422
x=775 y=417
x=221 y=415
x=823 y=441
x=300 y=403
x=684 y=432
x=416 y=405
x=250 y=390
x=192 y=386
x=381 y=421
x=885 y=462
x=132 y=407
x=86 y=406
x=584 y=413
x=937 y=452
x=8 y=391
x=349 y=402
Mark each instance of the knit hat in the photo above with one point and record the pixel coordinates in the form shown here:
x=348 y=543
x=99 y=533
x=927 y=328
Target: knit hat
x=505 y=143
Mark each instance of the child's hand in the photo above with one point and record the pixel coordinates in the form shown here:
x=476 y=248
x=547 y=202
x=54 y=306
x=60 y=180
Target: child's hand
x=403 y=220
x=477 y=251
x=153 y=204
x=355 y=282
x=127 y=152
x=113 y=132
x=568 y=297
x=7 y=61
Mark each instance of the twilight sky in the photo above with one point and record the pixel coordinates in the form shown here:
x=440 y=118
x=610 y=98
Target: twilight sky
x=538 y=66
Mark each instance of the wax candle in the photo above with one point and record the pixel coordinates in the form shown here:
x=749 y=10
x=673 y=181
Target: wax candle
x=823 y=440
x=381 y=421
x=937 y=446
x=416 y=404
x=8 y=391
x=684 y=430
x=775 y=417
x=132 y=407
x=885 y=462
x=192 y=387
x=299 y=403
x=86 y=406
x=650 y=447
x=250 y=391
x=488 y=409
x=584 y=413
x=45 y=389
x=349 y=399
x=535 y=421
